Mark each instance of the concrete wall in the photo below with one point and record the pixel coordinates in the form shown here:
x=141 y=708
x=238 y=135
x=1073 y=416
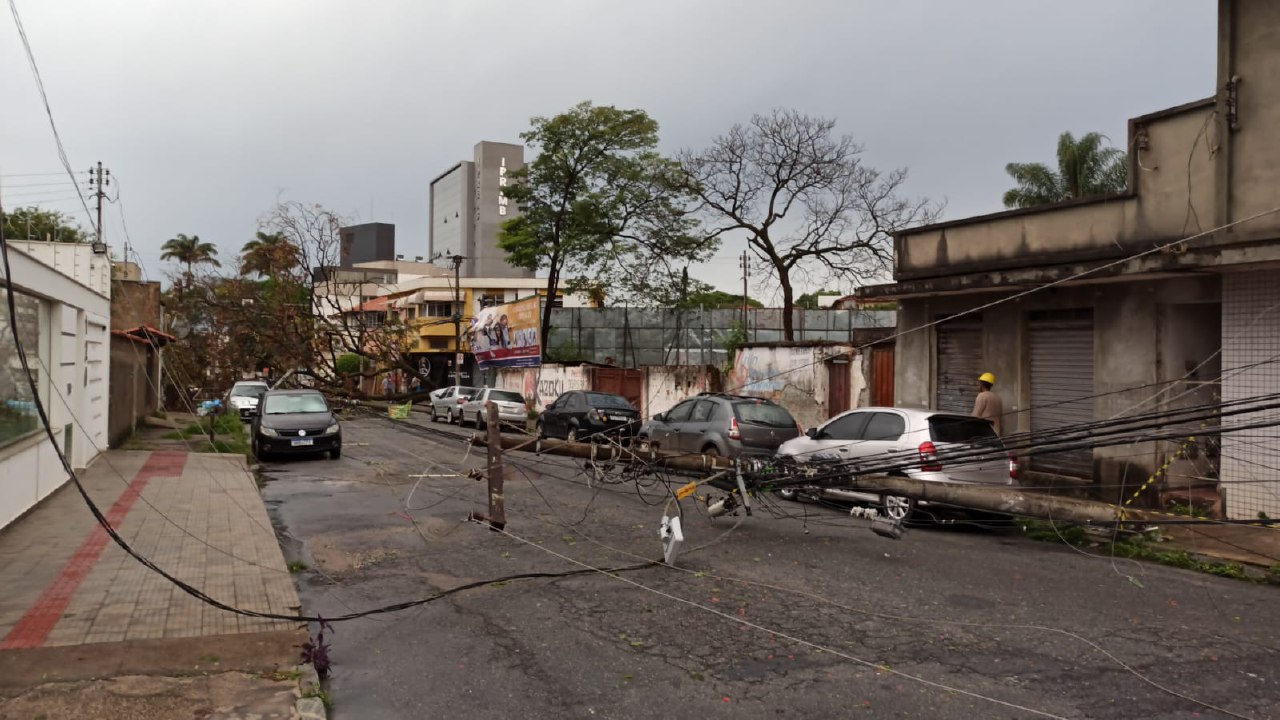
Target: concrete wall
x=542 y=385
x=72 y=363
x=792 y=376
x=134 y=304
x=664 y=386
x=494 y=163
x=76 y=261
x=1144 y=333
x=1249 y=48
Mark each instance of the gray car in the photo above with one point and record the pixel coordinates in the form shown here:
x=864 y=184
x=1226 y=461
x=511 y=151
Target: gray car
x=447 y=402
x=511 y=407
x=912 y=443
x=720 y=424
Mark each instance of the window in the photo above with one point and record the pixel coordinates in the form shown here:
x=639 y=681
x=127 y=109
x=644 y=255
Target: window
x=17 y=406
x=489 y=300
x=959 y=429
x=884 y=426
x=438 y=309
x=702 y=411
x=763 y=413
x=505 y=396
x=605 y=400
x=846 y=427
x=301 y=403
x=681 y=412
x=439 y=343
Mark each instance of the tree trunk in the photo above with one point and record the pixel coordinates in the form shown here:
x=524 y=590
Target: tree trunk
x=788 y=304
x=553 y=280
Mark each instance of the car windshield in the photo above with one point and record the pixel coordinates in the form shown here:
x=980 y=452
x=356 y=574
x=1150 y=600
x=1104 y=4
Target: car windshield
x=605 y=400
x=252 y=390
x=959 y=429
x=762 y=413
x=506 y=396
x=285 y=404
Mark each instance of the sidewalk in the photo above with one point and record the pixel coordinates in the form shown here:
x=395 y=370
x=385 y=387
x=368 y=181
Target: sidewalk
x=1247 y=544
x=76 y=606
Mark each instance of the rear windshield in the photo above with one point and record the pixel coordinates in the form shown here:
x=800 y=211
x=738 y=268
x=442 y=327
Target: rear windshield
x=506 y=396
x=760 y=413
x=605 y=400
x=251 y=390
x=959 y=429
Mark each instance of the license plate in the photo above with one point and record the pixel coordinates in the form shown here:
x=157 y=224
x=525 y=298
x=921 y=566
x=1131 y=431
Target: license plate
x=303 y=442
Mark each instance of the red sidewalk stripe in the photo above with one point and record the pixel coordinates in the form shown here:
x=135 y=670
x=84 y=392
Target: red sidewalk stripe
x=34 y=627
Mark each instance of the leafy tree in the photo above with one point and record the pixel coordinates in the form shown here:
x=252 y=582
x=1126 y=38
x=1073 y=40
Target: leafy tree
x=716 y=299
x=1085 y=168
x=599 y=203
x=809 y=301
x=190 y=252
x=268 y=254
x=803 y=199
x=35 y=223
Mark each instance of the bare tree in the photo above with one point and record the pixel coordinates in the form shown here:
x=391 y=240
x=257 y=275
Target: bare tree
x=803 y=199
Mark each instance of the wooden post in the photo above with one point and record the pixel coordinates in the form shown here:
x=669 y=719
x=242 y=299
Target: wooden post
x=497 y=509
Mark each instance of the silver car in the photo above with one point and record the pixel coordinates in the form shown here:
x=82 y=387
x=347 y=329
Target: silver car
x=912 y=443
x=447 y=402
x=511 y=407
x=243 y=398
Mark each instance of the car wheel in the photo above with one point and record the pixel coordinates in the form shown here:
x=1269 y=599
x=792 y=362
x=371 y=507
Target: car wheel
x=434 y=417
x=259 y=452
x=788 y=493
x=897 y=508
x=572 y=435
x=335 y=453
x=539 y=430
x=711 y=451
x=453 y=419
x=480 y=421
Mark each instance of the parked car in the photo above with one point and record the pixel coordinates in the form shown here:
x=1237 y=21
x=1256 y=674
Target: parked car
x=295 y=422
x=243 y=397
x=581 y=414
x=511 y=407
x=447 y=402
x=720 y=424
x=916 y=440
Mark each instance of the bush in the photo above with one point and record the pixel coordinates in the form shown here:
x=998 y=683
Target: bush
x=348 y=364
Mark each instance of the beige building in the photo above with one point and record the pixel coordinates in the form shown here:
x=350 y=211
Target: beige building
x=1163 y=296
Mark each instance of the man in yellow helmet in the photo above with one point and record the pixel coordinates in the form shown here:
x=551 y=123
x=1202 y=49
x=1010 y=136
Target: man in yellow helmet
x=988 y=405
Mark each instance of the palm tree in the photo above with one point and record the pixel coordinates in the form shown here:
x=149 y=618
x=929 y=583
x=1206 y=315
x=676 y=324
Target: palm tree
x=268 y=254
x=190 y=251
x=1085 y=168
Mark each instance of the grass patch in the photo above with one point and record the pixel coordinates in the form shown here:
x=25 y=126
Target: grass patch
x=297 y=566
x=283 y=676
x=323 y=695
x=1141 y=548
x=229 y=435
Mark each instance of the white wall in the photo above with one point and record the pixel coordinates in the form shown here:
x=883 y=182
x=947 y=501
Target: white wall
x=543 y=384
x=73 y=365
x=794 y=377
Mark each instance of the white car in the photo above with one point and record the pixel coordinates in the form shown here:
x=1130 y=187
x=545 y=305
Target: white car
x=447 y=402
x=511 y=407
x=243 y=398
x=911 y=443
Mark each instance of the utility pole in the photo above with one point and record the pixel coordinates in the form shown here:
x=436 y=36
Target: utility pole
x=746 y=271
x=101 y=179
x=457 y=319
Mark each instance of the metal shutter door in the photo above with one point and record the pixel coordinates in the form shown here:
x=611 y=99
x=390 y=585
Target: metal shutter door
x=959 y=365
x=1061 y=374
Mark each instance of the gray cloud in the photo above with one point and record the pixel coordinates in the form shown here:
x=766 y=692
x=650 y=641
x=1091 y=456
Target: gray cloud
x=208 y=111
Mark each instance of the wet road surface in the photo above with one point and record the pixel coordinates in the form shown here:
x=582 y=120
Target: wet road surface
x=804 y=616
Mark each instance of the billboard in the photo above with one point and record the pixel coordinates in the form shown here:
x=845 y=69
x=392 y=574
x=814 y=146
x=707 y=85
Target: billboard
x=507 y=335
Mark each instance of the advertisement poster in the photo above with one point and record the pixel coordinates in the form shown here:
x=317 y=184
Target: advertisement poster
x=507 y=335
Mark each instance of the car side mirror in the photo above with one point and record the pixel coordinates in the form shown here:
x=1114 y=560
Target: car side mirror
x=813 y=433
x=660 y=417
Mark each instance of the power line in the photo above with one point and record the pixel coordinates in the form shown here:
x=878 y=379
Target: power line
x=44 y=97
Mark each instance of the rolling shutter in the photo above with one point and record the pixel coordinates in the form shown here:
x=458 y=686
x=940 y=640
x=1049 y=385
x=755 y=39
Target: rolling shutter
x=959 y=364
x=1061 y=374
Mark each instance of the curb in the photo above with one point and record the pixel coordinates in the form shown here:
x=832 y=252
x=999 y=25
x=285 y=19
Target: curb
x=309 y=705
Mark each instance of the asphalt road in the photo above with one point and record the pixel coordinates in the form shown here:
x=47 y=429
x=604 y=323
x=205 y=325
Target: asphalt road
x=805 y=616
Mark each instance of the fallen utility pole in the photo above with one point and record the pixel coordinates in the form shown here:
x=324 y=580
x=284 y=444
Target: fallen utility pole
x=1007 y=500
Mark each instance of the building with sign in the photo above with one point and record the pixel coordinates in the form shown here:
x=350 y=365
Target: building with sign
x=468 y=208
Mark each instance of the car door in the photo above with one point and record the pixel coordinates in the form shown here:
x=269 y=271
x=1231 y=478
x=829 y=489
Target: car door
x=692 y=434
x=838 y=439
x=880 y=446
x=664 y=431
x=551 y=418
x=440 y=403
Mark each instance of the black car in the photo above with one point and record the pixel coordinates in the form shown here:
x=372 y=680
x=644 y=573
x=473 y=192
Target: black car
x=578 y=414
x=295 y=422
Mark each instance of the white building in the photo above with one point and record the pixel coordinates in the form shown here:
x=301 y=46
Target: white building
x=62 y=292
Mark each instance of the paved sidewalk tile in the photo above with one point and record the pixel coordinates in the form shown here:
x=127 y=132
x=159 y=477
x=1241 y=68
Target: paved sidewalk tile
x=197 y=516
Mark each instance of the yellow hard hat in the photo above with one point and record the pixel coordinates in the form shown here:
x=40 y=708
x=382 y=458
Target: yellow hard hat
x=987 y=378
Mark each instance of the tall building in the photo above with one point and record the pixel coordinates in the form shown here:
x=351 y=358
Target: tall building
x=366 y=243
x=468 y=208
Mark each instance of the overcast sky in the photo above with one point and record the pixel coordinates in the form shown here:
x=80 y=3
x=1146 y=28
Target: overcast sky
x=206 y=112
